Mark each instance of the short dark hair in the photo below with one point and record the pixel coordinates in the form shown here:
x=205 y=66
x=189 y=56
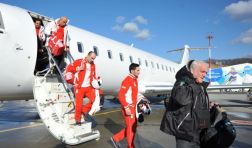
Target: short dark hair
x=90 y=52
x=37 y=19
x=133 y=66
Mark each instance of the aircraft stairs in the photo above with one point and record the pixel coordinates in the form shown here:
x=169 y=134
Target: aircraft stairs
x=55 y=104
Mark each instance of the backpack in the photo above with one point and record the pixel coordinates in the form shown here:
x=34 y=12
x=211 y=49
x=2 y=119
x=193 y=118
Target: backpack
x=222 y=132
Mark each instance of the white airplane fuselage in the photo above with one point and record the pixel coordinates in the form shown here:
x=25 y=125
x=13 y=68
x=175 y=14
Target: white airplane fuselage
x=18 y=54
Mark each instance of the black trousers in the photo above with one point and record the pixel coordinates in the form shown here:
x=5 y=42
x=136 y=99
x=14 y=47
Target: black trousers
x=60 y=61
x=180 y=143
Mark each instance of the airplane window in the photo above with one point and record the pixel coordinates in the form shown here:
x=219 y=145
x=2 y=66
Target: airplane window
x=174 y=70
x=146 y=63
x=162 y=67
x=166 y=67
x=139 y=61
x=121 y=56
x=170 y=69
x=157 y=66
x=109 y=54
x=152 y=64
x=96 y=50
x=131 y=59
x=1 y=22
x=80 y=47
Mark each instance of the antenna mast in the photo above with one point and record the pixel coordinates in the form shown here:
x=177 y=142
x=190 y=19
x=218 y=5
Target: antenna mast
x=209 y=37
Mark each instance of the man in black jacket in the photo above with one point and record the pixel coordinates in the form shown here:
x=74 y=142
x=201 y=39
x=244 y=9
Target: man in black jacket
x=187 y=111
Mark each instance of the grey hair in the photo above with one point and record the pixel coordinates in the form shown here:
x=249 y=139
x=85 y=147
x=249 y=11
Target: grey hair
x=194 y=64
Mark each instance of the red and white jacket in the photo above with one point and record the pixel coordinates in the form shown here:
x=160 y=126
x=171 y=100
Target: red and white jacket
x=53 y=27
x=79 y=75
x=128 y=91
x=40 y=33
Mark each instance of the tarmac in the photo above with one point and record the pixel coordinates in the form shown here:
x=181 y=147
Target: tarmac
x=21 y=127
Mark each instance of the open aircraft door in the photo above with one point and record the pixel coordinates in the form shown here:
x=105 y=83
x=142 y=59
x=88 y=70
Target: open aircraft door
x=56 y=109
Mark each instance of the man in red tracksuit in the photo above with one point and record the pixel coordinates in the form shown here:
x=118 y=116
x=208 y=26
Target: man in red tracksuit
x=58 y=39
x=39 y=32
x=84 y=70
x=128 y=99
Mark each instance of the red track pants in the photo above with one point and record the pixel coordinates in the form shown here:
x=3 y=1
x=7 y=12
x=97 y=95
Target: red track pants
x=130 y=130
x=79 y=95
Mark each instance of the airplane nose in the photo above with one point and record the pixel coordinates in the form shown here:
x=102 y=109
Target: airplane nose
x=18 y=52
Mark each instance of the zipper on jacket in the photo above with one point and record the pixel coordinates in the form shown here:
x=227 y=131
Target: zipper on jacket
x=183 y=120
x=195 y=102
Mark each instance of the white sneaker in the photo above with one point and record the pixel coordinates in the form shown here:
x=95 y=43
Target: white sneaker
x=113 y=142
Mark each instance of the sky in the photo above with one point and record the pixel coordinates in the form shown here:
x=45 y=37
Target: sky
x=157 y=26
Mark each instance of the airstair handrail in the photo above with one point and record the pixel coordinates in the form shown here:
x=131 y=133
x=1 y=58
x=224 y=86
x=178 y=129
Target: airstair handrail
x=65 y=84
x=70 y=56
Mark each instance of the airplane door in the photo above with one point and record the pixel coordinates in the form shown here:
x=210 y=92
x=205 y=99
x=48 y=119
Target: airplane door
x=18 y=51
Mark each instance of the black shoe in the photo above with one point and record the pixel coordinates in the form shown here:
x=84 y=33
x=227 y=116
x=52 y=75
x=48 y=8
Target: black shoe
x=78 y=123
x=86 y=117
x=89 y=118
x=113 y=142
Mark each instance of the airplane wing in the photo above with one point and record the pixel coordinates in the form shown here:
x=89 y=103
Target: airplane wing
x=152 y=88
x=213 y=87
x=158 y=88
x=164 y=88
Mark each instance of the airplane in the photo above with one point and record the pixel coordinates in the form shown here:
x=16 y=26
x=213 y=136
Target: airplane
x=19 y=79
x=19 y=55
x=19 y=68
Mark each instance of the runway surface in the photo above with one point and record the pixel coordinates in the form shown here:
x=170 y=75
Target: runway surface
x=21 y=127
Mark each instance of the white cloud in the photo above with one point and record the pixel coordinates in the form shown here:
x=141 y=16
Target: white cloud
x=216 y=22
x=117 y=28
x=207 y=20
x=141 y=20
x=241 y=10
x=120 y=19
x=245 y=37
x=143 y=34
x=213 y=21
x=130 y=27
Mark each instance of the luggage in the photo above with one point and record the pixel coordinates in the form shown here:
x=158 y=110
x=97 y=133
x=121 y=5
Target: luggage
x=69 y=77
x=222 y=132
x=56 y=46
x=143 y=107
x=56 y=42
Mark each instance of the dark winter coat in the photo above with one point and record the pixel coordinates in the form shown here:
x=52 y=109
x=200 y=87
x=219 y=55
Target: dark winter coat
x=187 y=111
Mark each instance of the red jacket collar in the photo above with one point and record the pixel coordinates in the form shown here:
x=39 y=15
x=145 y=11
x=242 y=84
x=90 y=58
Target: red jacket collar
x=132 y=76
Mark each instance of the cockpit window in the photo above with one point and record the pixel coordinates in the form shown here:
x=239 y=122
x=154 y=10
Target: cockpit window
x=1 y=21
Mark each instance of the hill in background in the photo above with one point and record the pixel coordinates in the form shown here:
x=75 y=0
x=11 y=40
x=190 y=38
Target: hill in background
x=228 y=62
